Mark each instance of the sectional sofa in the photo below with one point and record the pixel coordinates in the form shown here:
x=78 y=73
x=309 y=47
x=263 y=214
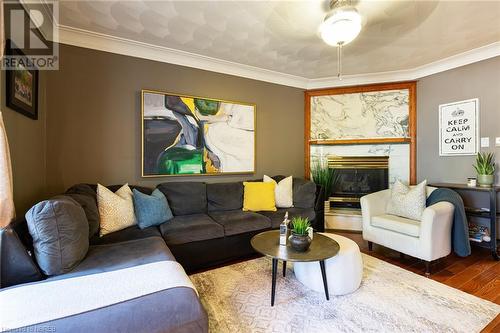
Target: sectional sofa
x=209 y=228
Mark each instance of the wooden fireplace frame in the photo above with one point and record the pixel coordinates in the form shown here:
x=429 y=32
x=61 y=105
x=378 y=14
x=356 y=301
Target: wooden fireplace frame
x=411 y=140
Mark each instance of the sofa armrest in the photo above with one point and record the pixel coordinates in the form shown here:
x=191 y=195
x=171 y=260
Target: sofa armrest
x=16 y=265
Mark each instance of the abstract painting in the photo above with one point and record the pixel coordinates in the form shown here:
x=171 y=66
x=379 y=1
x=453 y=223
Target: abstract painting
x=188 y=135
x=366 y=115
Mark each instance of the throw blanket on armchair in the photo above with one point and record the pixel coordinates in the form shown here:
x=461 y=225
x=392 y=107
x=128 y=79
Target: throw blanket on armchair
x=36 y=303
x=460 y=229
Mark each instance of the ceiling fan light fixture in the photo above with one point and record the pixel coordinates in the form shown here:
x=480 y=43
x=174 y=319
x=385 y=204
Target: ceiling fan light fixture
x=341 y=26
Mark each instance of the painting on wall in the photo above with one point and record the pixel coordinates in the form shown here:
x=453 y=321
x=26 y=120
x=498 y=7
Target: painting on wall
x=22 y=89
x=363 y=115
x=188 y=135
x=459 y=128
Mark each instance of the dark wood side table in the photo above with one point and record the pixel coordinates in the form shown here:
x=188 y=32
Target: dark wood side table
x=491 y=214
x=322 y=248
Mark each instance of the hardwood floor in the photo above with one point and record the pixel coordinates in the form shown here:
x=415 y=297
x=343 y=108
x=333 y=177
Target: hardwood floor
x=477 y=274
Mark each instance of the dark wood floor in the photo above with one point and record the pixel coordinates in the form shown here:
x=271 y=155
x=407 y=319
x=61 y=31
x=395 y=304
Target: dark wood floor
x=477 y=274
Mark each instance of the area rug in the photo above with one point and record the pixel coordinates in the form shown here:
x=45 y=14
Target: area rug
x=390 y=299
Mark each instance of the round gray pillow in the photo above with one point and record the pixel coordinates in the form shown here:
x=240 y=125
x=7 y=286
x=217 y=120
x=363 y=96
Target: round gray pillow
x=60 y=232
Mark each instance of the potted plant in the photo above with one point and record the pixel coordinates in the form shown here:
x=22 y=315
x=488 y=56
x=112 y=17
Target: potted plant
x=299 y=239
x=323 y=176
x=485 y=168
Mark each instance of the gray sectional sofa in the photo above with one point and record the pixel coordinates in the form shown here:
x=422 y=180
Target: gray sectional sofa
x=208 y=228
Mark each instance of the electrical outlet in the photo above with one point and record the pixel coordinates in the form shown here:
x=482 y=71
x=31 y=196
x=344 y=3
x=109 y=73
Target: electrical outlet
x=485 y=142
x=497 y=141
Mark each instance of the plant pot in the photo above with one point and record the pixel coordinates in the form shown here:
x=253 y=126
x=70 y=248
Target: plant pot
x=300 y=243
x=485 y=180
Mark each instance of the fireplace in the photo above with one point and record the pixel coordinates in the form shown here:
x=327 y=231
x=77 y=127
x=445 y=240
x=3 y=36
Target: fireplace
x=356 y=176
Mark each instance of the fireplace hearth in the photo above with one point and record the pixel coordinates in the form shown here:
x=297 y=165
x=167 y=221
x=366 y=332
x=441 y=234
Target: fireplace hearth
x=356 y=176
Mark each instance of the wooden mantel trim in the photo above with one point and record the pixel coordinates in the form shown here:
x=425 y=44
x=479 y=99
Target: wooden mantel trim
x=412 y=140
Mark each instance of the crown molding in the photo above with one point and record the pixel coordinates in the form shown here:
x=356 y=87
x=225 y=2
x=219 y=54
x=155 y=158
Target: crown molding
x=458 y=60
x=103 y=42
x=108 y=43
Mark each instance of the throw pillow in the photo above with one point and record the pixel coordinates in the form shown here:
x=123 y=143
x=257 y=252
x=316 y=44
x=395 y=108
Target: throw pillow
x=89 y=206
x=151 y=210
x=60 y=233
x=258 y=196
x=283 y=192
x=407 y=201
x=116 y=210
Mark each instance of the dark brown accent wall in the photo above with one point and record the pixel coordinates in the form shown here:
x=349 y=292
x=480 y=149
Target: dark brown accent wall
x=27 y=149
x=93 y=119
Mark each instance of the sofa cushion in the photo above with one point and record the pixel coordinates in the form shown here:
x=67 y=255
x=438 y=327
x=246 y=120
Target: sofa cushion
x=130 y=233
x=116 y=210
x=151 y=210
x=190 y=228
x=109 y=257
x=304 y=193
x=278 y=216
x=185 y=198
x=225 y=196
x=397 y=224
x=60 y=233
x=237 y=222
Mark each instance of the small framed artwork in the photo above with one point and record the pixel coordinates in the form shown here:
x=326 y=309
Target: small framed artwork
x=190 y=135
x=459 y=128
x=22 y=89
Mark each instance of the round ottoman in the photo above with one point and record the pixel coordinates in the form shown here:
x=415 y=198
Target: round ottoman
x=343 y=272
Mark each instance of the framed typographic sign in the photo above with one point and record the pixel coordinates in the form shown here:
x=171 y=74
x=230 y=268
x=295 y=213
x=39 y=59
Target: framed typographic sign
x=459 y=128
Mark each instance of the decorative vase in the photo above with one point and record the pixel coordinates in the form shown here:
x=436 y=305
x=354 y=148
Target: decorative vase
x=300 y=243
x=485 y=180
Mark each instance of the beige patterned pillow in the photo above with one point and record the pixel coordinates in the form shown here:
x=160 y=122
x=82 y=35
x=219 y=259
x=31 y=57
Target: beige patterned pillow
x=116 y=210
x=407 y=201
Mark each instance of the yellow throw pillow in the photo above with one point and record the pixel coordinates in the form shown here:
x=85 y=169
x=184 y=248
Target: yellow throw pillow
x=259 y=196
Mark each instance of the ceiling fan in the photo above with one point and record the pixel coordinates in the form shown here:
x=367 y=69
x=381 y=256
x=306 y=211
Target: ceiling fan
x=342 y=24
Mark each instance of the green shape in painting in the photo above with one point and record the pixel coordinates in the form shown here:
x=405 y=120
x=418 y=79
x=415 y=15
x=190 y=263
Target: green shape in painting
x=206 y=107
x=181 y=161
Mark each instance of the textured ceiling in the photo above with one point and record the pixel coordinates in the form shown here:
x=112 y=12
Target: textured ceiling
x=282 y=35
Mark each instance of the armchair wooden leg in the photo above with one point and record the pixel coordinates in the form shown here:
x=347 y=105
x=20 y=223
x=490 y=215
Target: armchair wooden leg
x=427 y=268
x=370 y=246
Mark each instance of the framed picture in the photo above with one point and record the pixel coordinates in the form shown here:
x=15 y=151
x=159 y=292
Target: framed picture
x=459 y=128
x=22 y=89
x=190 y=135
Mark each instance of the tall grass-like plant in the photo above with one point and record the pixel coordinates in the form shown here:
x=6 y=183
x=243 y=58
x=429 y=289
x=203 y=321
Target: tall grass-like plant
x=324 y=176
x=485 y=164
x=300 y=225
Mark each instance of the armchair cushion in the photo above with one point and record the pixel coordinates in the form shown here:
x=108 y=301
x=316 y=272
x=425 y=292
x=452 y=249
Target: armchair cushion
x=397 y=224
x=407 y=201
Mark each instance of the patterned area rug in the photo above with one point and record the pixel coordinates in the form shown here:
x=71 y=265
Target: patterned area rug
x=390 y=299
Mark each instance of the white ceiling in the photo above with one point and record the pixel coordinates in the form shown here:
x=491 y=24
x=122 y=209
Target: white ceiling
x=281 y=36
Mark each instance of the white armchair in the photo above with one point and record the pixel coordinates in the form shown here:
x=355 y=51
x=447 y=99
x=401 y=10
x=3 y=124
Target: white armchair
x=428 y=239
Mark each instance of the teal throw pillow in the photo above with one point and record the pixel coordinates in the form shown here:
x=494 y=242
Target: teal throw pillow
x=151 y=210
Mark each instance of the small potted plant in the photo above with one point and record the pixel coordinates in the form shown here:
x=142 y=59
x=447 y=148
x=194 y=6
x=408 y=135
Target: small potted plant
x=299 y=239
x=485 y=168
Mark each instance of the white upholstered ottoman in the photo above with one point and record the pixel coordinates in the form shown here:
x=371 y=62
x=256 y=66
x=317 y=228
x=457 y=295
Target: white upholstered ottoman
x=343 y=272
